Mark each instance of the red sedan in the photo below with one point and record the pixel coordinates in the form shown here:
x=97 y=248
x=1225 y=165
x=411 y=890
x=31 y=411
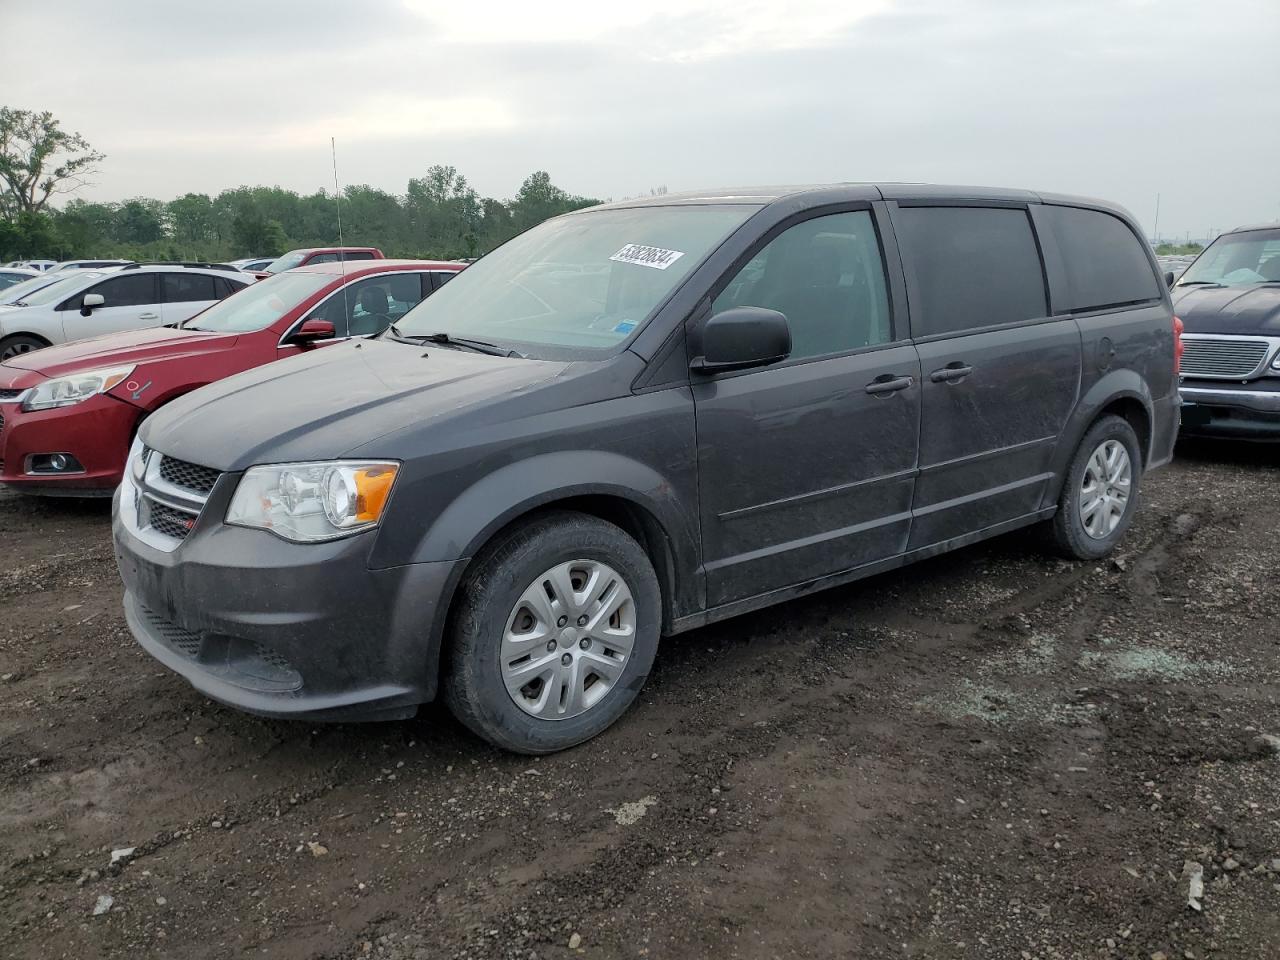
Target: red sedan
x=68 y=413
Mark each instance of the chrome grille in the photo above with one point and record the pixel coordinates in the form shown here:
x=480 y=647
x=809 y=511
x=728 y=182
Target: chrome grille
x=166 y=495
x=1224 y=358
x=190 y=476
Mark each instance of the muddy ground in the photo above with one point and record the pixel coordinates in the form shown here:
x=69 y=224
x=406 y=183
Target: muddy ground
x=991 y=754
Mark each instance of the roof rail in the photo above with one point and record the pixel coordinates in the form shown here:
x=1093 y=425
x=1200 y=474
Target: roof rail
x=176 y=263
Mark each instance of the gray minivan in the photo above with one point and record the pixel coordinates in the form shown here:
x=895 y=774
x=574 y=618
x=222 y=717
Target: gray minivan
x=637 y=419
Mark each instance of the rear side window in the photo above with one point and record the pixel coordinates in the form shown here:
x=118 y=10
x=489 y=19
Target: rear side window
x=974 y=267
x=440 y=278
x=188 y=287
x=357 y=255
x=1106 y=264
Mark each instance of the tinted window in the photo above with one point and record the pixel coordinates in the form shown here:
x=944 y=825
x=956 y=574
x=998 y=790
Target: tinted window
x=132 y=290
x=974 y=267
x=441 y=277
x=1106 y=264
x=323 y=258
x=187 y=287
x=827 y=277
x=356 y=256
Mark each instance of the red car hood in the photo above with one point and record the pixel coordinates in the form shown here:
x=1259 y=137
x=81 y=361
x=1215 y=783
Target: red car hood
x=132 y=346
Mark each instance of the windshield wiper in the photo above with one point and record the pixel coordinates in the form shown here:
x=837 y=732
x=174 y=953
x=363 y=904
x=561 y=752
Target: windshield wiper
x=1200 y=283
x=479 y=346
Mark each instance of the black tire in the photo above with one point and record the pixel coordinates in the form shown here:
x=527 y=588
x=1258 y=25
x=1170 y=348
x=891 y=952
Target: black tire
x=1066 y=529
x=473 y=686
x=19 y=343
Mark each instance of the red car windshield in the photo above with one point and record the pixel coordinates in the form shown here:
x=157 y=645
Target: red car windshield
x=260 y=304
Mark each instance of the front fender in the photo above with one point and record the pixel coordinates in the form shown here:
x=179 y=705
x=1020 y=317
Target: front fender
x=463 y=527
x=1113 y=386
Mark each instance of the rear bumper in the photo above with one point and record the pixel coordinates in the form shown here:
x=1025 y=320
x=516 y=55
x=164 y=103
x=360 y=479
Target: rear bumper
x=1248 y=411
x=286 y=630
x=95 y=432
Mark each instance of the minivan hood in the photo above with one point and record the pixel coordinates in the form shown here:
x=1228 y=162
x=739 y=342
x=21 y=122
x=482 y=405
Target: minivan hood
x=132 y=346
x=1248 y=311
x=325 y=402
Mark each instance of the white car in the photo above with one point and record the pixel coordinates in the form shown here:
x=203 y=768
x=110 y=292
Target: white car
x=252 y=264
x=12 y=275
x=90 y=303
x=41 y=265
x=89 y=265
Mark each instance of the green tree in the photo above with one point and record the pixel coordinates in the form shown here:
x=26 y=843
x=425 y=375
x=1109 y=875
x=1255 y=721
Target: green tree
x=140 y=221
x=252 y=231
x=192 y=219
x=38 y=160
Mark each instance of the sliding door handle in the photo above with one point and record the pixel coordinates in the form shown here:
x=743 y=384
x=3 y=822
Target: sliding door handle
x=951 y=373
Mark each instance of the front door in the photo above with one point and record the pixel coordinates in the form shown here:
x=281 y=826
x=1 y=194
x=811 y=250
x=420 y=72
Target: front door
x=806 y=468
x=1000 y=377
x=131 y=301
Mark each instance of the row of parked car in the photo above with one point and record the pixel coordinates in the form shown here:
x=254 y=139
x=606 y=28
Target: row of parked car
x=630 y=421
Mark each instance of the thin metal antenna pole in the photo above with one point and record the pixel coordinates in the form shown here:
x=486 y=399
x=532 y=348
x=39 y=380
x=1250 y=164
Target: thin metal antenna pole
x=337 y=196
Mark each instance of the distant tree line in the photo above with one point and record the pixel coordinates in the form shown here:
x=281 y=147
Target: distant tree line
x=438 y=216
x=1178 y=249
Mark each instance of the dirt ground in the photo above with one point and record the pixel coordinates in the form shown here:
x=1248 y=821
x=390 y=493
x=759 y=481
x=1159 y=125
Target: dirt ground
x=991 y=754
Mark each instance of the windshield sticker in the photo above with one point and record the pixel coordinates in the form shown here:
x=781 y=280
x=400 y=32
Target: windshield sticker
x=625 y=326
x=644 y=256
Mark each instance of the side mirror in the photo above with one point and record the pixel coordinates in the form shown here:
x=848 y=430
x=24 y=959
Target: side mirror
x=1168 y=278
x=312 y=330
x=90 y=301
x=743 y=337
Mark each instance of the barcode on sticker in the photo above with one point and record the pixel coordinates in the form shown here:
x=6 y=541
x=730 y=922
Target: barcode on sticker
x=646 y=256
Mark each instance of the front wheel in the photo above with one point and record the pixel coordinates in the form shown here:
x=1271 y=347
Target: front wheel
x=19 y=344
x=555 y=634
x=1100 y=494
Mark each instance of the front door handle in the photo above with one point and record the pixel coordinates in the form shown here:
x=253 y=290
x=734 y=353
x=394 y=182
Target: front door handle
x=148 y=316
x=884 y=385
x=951 y=373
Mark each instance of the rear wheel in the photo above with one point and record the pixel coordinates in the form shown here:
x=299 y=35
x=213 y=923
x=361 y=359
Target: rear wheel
x=19 y=344
x=1100 y=494
x=556 y=632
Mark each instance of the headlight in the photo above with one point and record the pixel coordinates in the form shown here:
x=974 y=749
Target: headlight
x=75 y=388
x=308 y=502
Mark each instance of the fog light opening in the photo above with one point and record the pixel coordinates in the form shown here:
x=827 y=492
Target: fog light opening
x=47 y=463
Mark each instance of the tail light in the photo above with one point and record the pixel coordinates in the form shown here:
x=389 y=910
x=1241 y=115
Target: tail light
x=1177 y=346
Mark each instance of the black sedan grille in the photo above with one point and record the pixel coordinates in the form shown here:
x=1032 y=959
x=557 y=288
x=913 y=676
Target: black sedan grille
x=189 y=476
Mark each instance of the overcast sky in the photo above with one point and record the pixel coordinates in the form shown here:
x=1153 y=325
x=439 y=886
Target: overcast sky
x=1121 y=99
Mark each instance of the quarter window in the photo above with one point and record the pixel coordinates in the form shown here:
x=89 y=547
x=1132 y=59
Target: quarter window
x=826 y=276
x=1106 y=264
x=974 y=267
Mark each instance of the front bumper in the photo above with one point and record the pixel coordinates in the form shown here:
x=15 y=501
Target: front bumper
x=286 y=630
x=95 y=432
x=1247 y=411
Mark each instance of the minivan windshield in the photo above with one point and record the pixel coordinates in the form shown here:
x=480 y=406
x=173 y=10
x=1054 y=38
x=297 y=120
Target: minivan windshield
x=260 y=304
x=578 y=284
x=286 y=262
x=63 y=286
x=1237 y=260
